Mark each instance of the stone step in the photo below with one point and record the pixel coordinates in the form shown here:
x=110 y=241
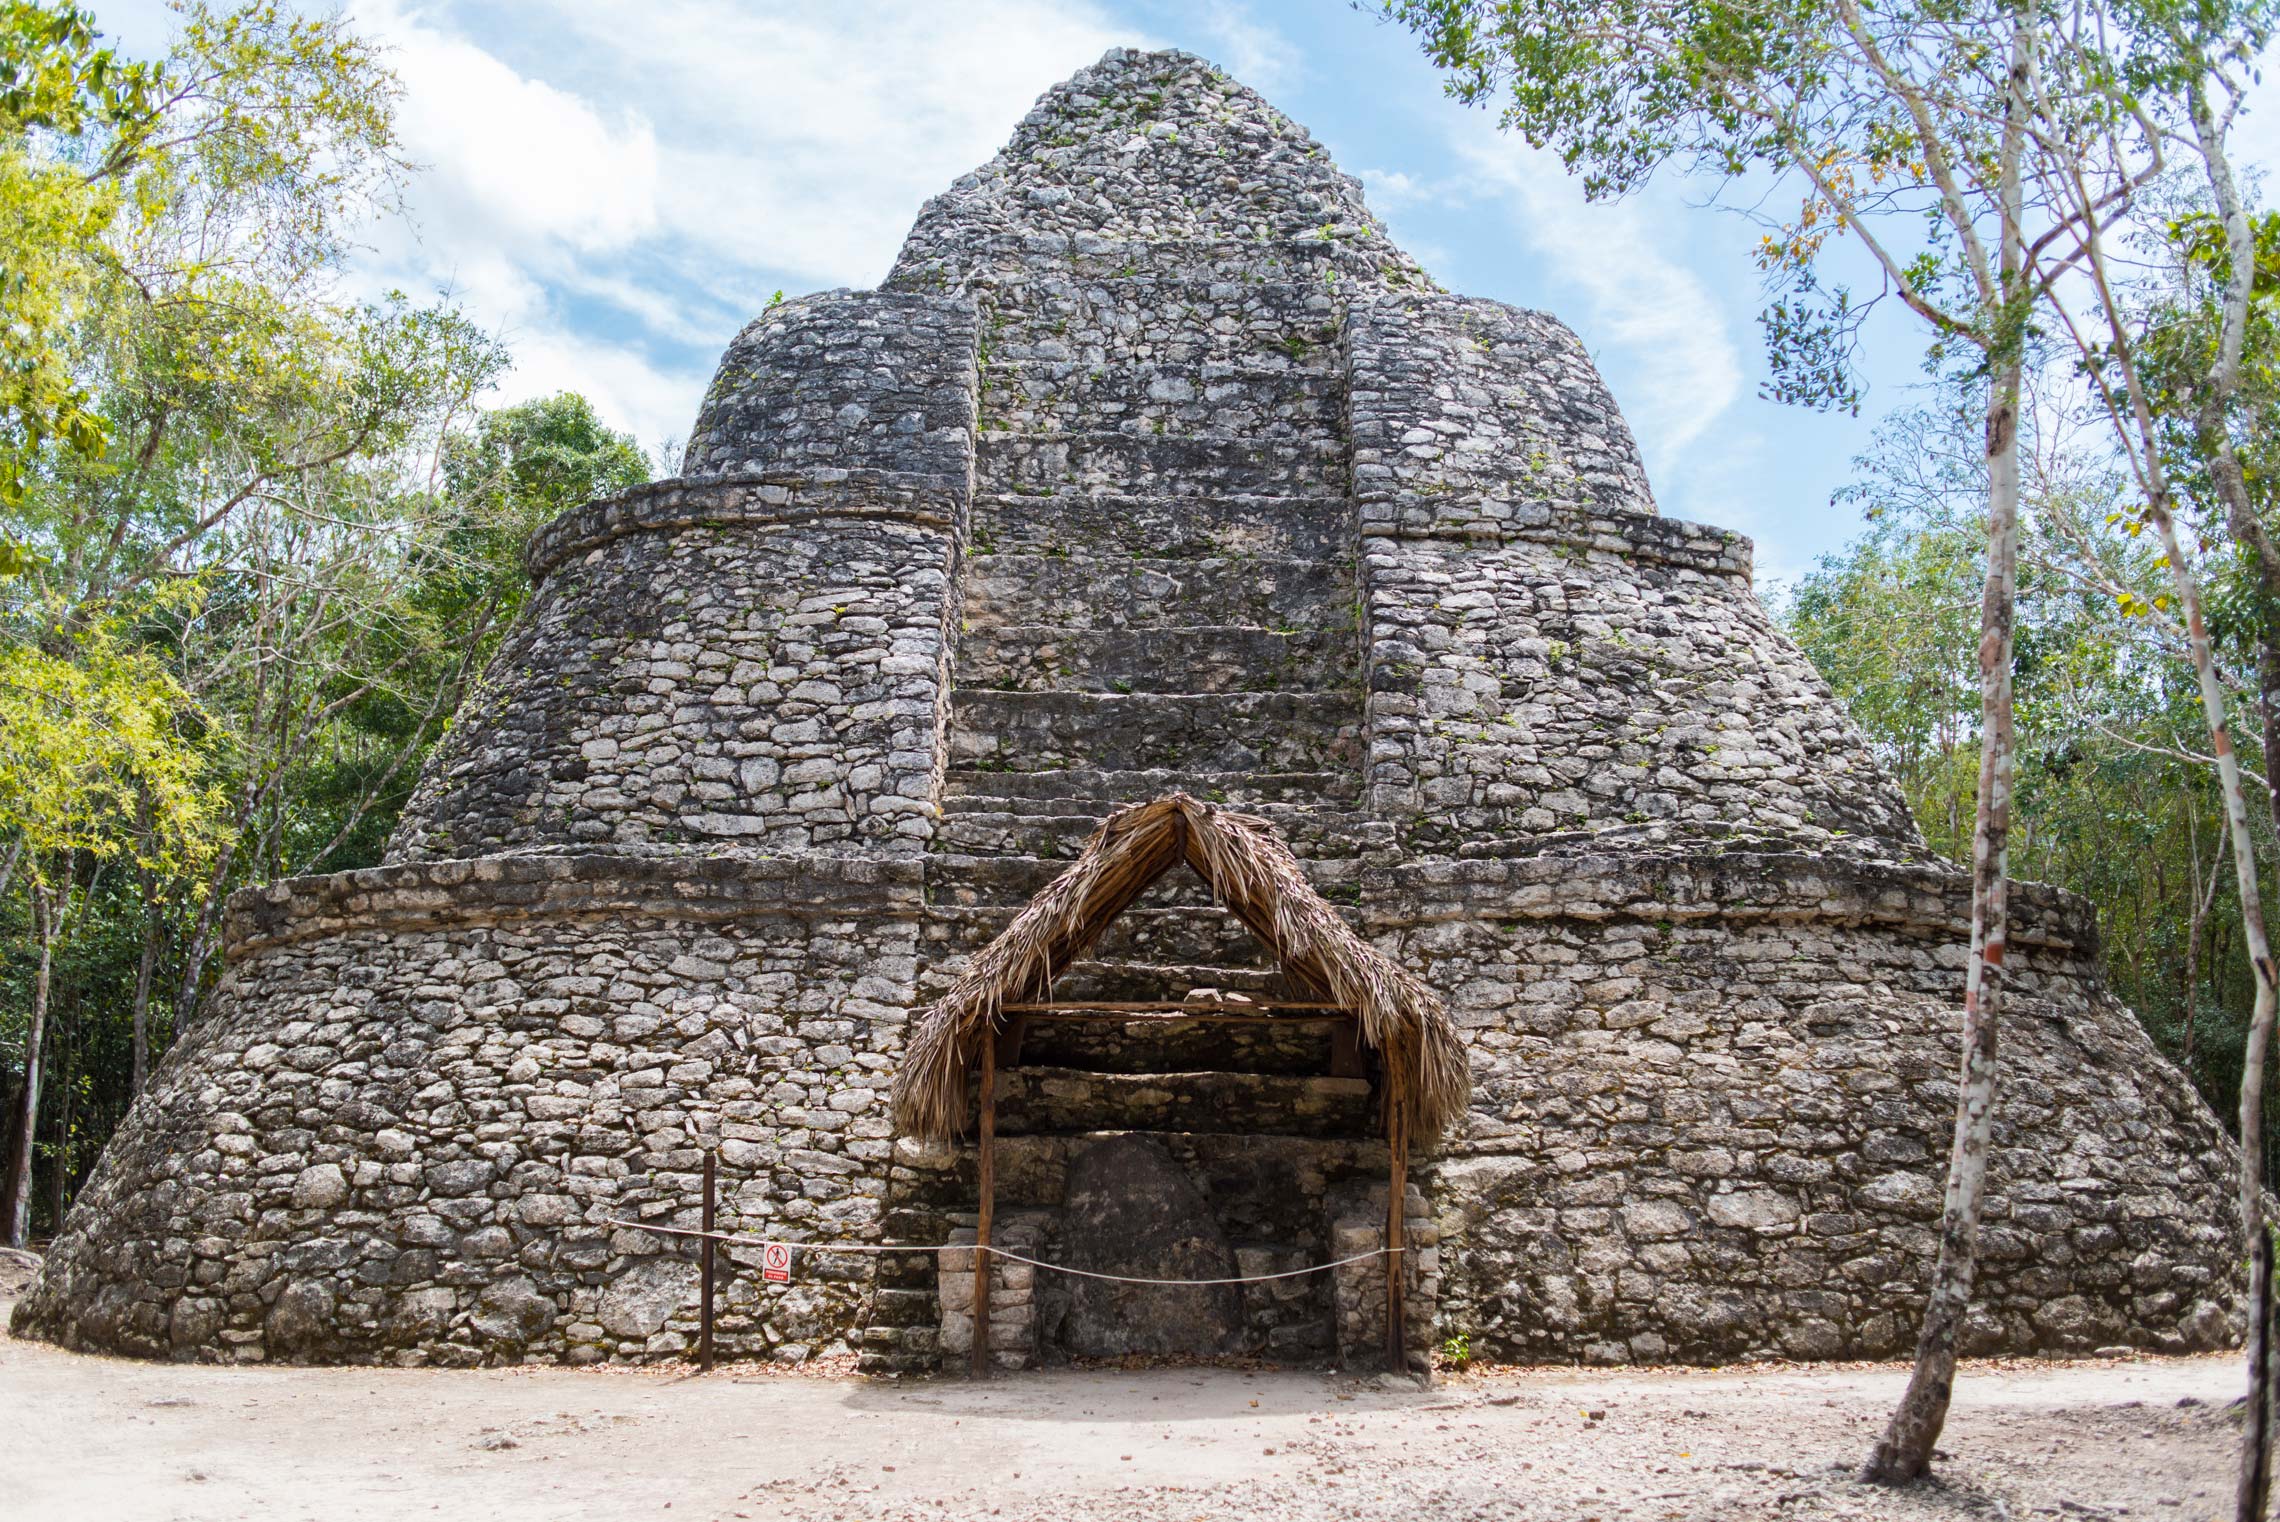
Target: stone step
x=1005 y=261
x=1088 y=790
x=1186 y=937
x=1160 y=980
x=982 y=880
x=1109 y=592
x=1196 y=465
x=1212 y=731
x=1032 y=1170
x=1128 y=321
x=1270 y=527
x=1312 y=832
x=1060 y=1101
x=1179 y=658
x=1290 y=1048
x=1248 y=398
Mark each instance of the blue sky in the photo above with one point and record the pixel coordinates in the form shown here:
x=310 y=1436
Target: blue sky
x=617 y=187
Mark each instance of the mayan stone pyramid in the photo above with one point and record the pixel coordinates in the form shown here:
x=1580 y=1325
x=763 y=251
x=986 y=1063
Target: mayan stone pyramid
x=1153 y=466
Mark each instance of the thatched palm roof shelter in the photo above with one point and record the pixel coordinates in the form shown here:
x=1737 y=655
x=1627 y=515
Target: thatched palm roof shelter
x=1252 y=873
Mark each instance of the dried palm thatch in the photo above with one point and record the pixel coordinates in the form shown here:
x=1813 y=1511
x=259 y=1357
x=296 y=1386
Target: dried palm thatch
x=1252 y=873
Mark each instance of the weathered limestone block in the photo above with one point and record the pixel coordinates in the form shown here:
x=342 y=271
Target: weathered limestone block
x=876 y=380
x=757 y=681
x=1461 y=402
x=1129 y=1209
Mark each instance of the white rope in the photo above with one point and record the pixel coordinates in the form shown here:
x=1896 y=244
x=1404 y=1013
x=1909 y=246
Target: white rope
x=1086 y=1273
x=999 y=1252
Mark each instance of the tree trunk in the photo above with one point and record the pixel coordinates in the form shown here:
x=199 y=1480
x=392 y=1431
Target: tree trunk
x=2256 y=1436
x=196 y=955
x=146 y=969
x=1905 y=1452
x=19 y=1221
x=199 y=949
x=2214 y=426
x=2196 y=913
x=2253 y=1484
x=146 y=973
x=11 y=1113
x=59 y=1181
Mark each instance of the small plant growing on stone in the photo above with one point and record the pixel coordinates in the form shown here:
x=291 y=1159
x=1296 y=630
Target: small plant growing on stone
x=1457 y=1351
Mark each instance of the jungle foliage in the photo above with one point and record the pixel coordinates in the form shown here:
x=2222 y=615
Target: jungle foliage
x=257 y=532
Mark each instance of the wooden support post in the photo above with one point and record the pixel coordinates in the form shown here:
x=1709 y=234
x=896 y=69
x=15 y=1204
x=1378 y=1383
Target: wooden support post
x=1009 y=1041
x=705 y=1274
x=988 y=1168
x=1397 y=1144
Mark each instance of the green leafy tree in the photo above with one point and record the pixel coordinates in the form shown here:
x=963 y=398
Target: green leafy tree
x=59 y=84
x=258 y=503
x=519 y=468
x=87 y=733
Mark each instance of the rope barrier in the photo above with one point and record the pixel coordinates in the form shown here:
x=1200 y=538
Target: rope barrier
x=1288 y=1273
x=999 y=1252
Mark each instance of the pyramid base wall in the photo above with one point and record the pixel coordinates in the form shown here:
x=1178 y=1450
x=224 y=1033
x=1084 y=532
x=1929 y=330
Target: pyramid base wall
x=1712 y=1095
x=407 y=1142
x=1712 y=1121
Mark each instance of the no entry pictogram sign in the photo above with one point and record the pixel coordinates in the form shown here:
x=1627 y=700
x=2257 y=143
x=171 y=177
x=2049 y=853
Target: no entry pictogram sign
x=776 y=1262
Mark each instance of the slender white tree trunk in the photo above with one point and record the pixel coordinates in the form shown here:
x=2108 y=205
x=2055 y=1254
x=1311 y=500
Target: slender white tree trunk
x=1904 y=1453
x=2253 y=1490
x=19 y=1225
x=2141 y=437
x=2255 y=1468
x=146 y=970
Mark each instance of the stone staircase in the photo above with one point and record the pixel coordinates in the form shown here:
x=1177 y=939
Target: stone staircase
x=1160 y=587
x=1160 y=594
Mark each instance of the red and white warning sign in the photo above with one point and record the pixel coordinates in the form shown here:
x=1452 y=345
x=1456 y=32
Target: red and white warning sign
x=776 y=1262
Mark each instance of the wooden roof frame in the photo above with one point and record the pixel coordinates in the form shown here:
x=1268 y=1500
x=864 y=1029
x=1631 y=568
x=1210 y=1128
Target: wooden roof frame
x=1251 y=873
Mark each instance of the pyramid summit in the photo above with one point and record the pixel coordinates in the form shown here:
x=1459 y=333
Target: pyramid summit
x=1153 y=468
x=1161 y=149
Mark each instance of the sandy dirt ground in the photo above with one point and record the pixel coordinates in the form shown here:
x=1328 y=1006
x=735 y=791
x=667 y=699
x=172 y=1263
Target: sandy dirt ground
x=87 y=1439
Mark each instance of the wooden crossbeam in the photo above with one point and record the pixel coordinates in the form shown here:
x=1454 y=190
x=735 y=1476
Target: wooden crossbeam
x=1138 y=1018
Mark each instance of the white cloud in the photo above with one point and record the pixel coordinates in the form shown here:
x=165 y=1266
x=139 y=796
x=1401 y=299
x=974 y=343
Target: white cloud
x=1258 y=55
x=1387 y=189
x=1683 y=368
x=615 y=196
x=513 y=170
x=516 y=158
x=626 y=389
x=805 y=140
